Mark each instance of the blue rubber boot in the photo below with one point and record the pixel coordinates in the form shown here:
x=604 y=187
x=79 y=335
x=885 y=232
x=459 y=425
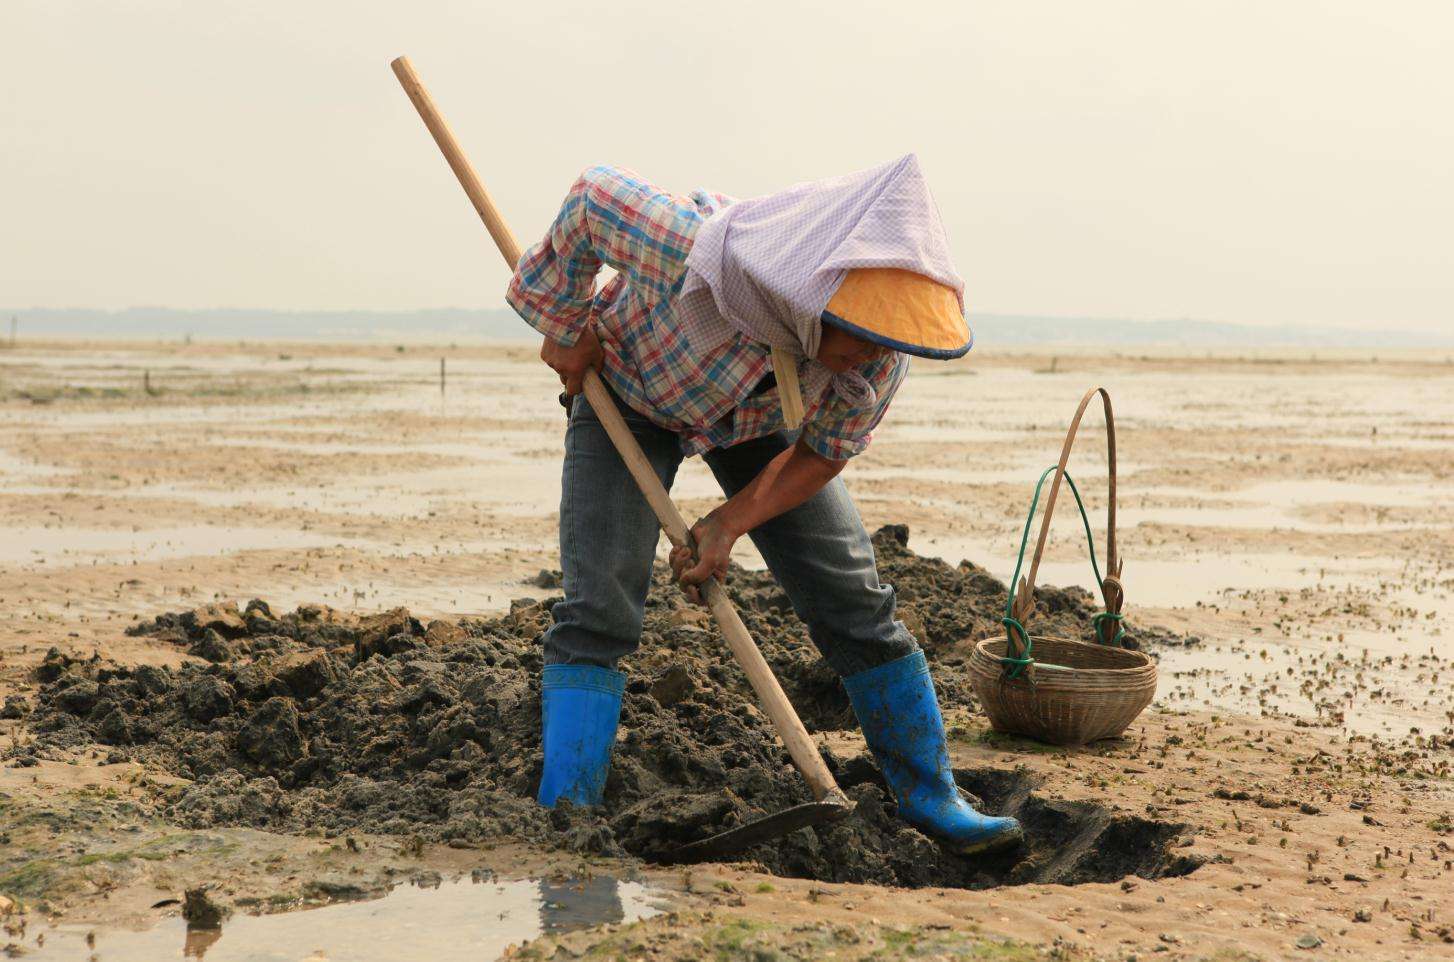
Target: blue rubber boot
x=580 y=706
x=899 y=714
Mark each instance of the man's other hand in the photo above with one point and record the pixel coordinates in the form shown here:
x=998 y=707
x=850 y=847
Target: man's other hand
x=572 y=363
x=714 y=538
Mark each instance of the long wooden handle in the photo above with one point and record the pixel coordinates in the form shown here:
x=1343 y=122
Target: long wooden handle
x=789 y=727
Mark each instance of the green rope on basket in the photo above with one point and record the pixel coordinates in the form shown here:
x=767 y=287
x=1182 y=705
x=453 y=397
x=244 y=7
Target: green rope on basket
x=1014 y=667
x=1117 y=617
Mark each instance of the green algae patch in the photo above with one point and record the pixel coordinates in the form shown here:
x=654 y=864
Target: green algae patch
x=686 y=936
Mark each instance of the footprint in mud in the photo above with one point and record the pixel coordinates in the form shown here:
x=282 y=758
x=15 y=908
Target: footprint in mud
x=1072 y=843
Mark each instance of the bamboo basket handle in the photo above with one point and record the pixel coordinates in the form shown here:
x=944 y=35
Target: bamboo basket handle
x=1111 y=588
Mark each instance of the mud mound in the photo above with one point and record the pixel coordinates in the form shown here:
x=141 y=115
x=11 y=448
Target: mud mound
x=322 y=721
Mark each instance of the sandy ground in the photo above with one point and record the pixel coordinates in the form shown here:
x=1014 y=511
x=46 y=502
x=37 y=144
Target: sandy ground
x=1290 y=515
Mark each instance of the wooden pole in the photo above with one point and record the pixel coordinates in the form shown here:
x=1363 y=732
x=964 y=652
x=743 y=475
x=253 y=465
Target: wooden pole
x=468 y=179
x=441 y=375
x=779 y=710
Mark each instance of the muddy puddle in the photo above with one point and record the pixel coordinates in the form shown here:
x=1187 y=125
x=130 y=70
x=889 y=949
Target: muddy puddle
x=472 y=919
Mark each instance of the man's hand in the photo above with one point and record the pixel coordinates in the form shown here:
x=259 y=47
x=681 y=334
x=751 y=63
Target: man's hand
x=572 y=363
x=787 y=481
x=714 y=537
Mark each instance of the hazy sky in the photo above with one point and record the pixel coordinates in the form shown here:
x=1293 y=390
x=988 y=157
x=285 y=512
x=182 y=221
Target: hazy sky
x=1271 y=161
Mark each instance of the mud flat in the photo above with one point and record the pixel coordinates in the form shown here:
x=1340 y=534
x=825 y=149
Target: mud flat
x=315 y=720
x=1288 y=536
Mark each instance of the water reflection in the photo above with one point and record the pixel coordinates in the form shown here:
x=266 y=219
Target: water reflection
x=574 y=904
x=474 y=918
x=198 y=941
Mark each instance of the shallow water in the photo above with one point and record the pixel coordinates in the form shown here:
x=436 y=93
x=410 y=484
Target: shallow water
x=1184 y=582
x=1357 y=694
x=466 y=920
x=62 y=546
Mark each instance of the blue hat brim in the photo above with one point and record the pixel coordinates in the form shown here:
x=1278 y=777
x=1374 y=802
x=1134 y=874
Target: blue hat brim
x=932 y=353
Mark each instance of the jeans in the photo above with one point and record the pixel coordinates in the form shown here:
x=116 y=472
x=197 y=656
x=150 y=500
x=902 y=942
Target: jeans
x=819 y=551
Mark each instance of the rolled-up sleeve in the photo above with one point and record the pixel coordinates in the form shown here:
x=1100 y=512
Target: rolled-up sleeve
x=839 y=432
x=612 y=217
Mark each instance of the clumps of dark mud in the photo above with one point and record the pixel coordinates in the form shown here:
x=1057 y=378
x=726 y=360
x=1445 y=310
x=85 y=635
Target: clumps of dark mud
x=1067 y=842
x=321 y=721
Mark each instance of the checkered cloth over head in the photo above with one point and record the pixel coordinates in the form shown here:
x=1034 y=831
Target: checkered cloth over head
x=669 y=352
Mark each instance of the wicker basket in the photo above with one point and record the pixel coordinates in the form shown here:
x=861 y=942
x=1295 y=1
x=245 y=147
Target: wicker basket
x=1053 y=689
x=1075 y=693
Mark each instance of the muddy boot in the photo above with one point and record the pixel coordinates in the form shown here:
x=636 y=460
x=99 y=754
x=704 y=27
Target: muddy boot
x=899 y=714
x=580 y=706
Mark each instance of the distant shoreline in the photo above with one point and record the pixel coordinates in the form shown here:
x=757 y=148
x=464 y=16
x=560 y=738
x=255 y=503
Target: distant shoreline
x=425 y=345
x=477 y=325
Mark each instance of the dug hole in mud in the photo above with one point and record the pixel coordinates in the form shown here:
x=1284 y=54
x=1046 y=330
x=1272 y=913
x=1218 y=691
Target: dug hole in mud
x=321 y=721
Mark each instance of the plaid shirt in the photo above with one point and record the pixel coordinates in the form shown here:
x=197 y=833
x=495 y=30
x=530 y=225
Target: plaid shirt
x=669 y=355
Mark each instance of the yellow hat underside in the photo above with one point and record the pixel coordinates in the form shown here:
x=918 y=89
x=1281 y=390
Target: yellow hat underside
x=902 y=310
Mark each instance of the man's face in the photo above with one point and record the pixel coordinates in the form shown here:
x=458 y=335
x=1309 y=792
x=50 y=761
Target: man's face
x=840 y=351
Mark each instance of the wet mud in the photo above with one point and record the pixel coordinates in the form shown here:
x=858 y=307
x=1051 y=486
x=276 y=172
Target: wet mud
x=322 y=721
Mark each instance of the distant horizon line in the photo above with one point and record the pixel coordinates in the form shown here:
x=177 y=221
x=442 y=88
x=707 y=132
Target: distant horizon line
x=505 y=309
x=501 y=321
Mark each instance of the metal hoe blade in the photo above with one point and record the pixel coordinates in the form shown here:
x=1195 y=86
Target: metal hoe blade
x=761 y=830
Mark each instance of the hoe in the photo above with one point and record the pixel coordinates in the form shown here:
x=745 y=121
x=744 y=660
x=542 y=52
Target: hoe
x=829 y=803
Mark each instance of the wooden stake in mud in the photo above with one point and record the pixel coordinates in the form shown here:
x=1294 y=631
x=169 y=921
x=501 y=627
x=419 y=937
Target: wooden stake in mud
x=830 y=802
x=441 y=375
